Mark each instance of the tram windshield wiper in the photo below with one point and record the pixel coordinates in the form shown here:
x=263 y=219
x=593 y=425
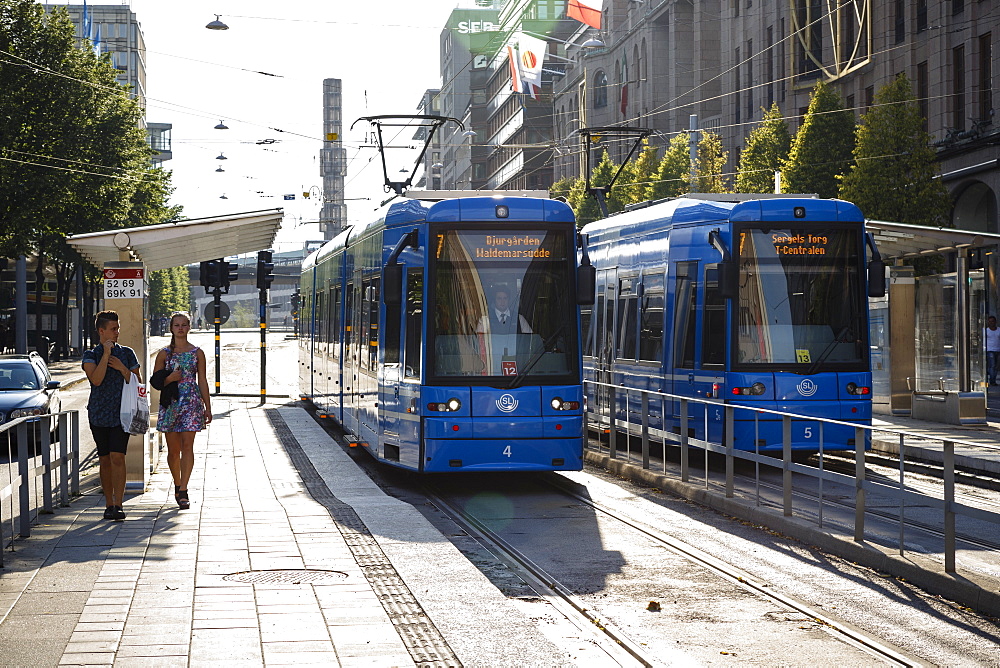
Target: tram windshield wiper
x=519 y=378
x=830 y=347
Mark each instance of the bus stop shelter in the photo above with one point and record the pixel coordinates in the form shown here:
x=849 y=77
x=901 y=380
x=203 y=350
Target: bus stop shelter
x=126 y=255
x=927 y=332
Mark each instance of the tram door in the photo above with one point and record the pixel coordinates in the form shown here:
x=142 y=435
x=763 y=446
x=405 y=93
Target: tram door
x=604 y=340
x=352 y=314
x=683 y=329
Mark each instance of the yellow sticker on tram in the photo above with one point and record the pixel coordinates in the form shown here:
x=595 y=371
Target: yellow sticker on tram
x=802 y=356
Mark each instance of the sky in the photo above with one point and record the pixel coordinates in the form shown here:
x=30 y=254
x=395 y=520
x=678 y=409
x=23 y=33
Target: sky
x=386 y=53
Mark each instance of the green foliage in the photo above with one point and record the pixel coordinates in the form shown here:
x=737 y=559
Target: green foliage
x=674 y=171
x=893 y=177
x=766 y=149
x=711 y=161
x=561 y=188
x=821 y=150
x=638 y=176
x=169 y=291
x=73 y=158
x=583 y=203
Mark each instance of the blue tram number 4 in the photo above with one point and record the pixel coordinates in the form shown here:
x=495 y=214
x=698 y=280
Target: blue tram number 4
x=507 y=451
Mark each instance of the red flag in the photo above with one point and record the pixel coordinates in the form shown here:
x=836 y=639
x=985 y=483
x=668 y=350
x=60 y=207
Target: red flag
x=624 y=106
x=585 y=11
x=515 y=70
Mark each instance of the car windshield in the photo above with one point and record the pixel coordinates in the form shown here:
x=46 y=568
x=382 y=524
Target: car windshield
x=17 y=376
x=800 y=301
x=501 y=304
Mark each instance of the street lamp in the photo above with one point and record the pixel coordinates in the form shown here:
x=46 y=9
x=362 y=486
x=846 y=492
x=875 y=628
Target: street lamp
x=220 y=169
x=217 y=24
x=221 y=157
x=221 y=126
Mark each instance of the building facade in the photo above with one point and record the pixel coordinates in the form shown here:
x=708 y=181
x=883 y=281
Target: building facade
x=333 y=160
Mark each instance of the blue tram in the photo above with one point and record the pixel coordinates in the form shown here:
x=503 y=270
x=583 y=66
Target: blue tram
x=756 y=301
x=444 y=336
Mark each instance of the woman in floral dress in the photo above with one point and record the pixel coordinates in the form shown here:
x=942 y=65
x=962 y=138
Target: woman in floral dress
x=190 y=411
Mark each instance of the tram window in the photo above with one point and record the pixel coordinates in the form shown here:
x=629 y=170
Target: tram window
x=598 y=334
x=414 y=321
x=392 y=333
x=685 y=305
x=651 y=331
x=586 y=315
x=627 y=310
x=713 y=329
x=335 y=320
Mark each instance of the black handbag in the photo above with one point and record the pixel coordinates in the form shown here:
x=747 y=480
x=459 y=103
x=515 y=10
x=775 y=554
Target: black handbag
x=168 y=391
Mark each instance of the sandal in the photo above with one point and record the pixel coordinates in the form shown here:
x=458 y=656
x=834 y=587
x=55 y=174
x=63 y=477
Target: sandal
x=181 y=496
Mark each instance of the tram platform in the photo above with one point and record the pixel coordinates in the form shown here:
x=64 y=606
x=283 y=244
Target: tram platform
x=289 y=554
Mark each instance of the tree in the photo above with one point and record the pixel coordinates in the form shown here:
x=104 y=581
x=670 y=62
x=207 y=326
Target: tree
x=75 y=158
x=711 y=161
x=585 y=204
x=674 y=171
x=638 y=176
x=766 y=149
x=893 y=176
x=821 y=150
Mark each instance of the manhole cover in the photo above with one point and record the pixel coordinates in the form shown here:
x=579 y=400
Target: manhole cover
x=304 y=576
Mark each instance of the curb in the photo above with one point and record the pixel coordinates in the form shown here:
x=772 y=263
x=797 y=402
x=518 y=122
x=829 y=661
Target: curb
x=971 y=590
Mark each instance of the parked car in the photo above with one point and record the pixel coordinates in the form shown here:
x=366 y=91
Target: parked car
x=26 y=389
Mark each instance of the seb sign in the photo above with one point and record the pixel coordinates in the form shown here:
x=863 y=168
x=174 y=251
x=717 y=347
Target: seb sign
x=124 y=283
x=474 y=27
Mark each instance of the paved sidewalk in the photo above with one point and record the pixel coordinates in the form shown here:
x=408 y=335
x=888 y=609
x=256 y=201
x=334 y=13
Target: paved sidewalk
x=288 y=555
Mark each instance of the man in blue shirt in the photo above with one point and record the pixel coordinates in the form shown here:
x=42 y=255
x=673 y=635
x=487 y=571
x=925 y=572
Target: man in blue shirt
x=107 y=366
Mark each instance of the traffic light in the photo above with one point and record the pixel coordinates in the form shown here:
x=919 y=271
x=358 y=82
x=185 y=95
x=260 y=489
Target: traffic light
x=228 y=273
x=205 y=273
x=264 y=269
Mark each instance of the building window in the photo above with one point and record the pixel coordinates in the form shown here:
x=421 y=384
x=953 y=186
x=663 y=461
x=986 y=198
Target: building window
x=958 y=87
x=900 y=20
x=769 y=66
x=986 y=79
x=749 y=86
x=957 y=6
x=921 y=15
x=736 y=85
x=869 y=97
x=600 y=90
x=922 y=92
x=781 y=61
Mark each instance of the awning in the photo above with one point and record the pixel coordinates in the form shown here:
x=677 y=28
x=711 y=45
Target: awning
x=183 y=242
x=896 y=240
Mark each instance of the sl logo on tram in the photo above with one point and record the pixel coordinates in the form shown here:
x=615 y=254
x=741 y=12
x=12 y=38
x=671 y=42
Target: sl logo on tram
x=507 y=403
x=807 y=387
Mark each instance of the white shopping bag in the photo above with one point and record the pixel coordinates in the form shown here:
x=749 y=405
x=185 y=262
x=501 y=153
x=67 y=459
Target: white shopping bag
x=135 y=406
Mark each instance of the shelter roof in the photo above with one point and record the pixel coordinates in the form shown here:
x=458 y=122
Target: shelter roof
x=183 y=242
x=896 y=240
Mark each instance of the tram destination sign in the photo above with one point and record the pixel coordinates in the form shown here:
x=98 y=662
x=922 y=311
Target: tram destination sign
x=800 y=243
x=516 y=246
x=124 y=283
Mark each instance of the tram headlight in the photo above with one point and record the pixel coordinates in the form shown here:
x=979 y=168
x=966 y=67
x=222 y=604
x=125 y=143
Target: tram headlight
x=449 y=406
x=756 y=389
x=854 y=388
x=559 y=404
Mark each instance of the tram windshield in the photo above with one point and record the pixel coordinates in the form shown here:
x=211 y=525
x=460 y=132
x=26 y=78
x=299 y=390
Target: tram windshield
x=502 y=305
x=801 y=299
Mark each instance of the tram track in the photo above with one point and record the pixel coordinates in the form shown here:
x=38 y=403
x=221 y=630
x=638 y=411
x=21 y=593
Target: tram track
x=608 y=639
x=561 y=597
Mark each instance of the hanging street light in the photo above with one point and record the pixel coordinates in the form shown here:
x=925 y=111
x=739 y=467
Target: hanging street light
x=220 y=169
x=221 y=126
x=217 y=24
x=221 y=157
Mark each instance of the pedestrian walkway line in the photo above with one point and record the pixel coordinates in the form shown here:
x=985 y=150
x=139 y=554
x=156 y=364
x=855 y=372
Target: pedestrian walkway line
x=419 y=634
x=166 y=595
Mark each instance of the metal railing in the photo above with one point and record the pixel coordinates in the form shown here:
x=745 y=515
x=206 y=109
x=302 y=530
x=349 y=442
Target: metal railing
x=631 y=421
x=41 y=480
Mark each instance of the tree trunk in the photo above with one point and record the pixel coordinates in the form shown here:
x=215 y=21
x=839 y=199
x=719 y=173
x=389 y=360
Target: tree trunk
x=40 y=345
x=64 y=284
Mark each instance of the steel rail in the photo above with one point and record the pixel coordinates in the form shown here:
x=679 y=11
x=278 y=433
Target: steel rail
x=609 y=639
x=855 y=637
